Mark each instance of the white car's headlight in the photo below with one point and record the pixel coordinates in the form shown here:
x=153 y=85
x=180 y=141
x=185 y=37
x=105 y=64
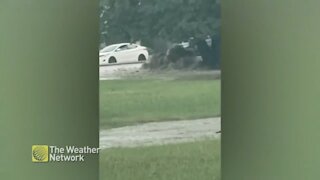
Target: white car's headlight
x=104 y=54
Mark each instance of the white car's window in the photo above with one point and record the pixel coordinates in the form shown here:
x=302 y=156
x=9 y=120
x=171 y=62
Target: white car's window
x=123 y=47
x=109 y=48
x=132 y=46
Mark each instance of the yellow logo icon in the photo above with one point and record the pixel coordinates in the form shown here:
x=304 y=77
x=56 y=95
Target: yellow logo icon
x=40 y=153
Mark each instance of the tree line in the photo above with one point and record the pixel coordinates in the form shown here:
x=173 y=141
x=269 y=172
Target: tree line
x=158 y=23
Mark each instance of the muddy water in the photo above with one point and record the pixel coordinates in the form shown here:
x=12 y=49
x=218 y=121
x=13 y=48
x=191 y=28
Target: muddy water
x=112 y=72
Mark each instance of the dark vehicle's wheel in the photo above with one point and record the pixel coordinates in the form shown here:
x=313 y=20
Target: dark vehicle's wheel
x=112 y=60
x=142 y=58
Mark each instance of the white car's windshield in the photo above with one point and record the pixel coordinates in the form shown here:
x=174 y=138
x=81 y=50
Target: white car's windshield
x=109 y=48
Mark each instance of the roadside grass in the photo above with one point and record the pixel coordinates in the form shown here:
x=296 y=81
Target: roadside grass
x=173 y=75
x=134 y=101
x=186 y=161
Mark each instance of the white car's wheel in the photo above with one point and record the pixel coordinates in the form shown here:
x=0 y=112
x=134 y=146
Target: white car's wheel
x=112 y=60
x=142 y=57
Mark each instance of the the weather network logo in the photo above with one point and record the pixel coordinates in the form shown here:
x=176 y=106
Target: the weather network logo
x=47 y=153
x=40 y=153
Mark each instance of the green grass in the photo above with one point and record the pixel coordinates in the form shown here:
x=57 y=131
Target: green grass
x=188 y=161
x=128 y=102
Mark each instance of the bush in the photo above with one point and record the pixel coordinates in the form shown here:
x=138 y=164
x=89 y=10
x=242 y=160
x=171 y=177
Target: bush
x=176 y=58
x=157 y=61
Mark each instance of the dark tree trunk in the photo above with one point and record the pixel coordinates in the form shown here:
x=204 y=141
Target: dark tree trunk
x=206 y=53
x=215 y=46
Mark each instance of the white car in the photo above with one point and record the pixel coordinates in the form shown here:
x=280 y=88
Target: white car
x=123 y=53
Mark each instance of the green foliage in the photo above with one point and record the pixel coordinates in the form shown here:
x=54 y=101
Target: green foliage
x=151 y=20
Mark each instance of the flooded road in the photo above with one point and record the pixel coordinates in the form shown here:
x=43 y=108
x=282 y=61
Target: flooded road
x=160 y=133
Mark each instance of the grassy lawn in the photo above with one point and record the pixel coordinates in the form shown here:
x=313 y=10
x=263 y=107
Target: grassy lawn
x=133 y=101
x=187 y=161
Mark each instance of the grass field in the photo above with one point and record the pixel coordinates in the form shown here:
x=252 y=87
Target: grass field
x=188 y=161
x=129 y=102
